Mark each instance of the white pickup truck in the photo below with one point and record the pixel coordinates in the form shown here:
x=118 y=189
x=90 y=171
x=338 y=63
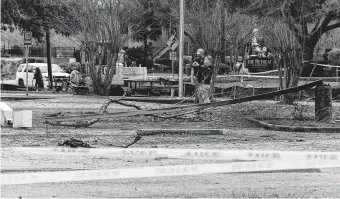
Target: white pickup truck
x=57 y=72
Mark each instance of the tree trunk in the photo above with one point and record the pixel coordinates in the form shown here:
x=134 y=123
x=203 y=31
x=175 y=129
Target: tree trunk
x=146 y=48
x=280 y=63
x=213 y=77
x=308 y=50
x=100 y=89
x=323 y=103
x=49 y=64
x=294 y=66
x=203 y=93
x=224 y=47
x=293 y=69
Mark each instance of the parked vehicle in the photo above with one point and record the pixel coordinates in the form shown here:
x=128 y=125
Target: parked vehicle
x=58 y=74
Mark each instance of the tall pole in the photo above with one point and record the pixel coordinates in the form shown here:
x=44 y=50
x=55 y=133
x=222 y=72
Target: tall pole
x=181 y=45
x=26 y=70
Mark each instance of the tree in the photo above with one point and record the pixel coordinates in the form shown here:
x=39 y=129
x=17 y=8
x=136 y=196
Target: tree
x=286 y=51
x=151 y=27
x=102 y=32
x=37 y=16
x=307 y=20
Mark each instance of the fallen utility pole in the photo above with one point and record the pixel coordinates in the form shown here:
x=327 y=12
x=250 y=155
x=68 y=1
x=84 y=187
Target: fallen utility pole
x=187 y=108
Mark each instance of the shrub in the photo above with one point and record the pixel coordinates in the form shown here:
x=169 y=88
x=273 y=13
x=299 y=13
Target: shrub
x=334 y=56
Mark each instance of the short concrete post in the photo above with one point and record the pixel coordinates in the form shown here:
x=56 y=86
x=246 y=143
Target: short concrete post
x=323 y=103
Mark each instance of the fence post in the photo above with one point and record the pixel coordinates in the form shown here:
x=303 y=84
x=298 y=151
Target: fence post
x=323 y=103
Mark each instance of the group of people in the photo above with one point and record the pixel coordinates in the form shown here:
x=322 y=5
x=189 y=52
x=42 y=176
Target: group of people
x=203 y=67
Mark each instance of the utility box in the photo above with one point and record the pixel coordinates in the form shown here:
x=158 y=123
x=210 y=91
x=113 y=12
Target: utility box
x=22 y=119
x=6 y=114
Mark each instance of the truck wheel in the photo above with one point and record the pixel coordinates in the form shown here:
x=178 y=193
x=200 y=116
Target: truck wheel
x=21 y=82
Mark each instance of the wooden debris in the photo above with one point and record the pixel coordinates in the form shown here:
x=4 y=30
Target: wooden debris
x=188 y=107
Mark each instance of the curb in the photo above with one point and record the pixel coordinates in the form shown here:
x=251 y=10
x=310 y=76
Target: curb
x=23 y=98
x=146 y=132
x=305 y=129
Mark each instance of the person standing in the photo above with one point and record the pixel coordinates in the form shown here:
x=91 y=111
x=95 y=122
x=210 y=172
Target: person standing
x=197 y=64
x=39 y=84
x=207 y=68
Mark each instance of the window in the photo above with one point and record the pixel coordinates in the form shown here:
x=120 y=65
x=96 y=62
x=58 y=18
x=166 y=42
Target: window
x=30 y=69
x=20 y=67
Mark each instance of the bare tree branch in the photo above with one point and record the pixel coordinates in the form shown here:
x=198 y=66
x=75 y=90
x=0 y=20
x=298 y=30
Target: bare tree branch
x=332 y=26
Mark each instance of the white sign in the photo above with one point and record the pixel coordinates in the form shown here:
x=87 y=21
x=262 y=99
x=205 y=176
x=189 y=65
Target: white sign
x=173 y=55
x=27 y=38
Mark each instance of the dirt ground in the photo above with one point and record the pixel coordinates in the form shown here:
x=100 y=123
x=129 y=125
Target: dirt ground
x=238 y=134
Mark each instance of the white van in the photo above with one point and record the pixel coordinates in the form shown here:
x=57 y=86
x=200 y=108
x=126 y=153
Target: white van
x=57 y=72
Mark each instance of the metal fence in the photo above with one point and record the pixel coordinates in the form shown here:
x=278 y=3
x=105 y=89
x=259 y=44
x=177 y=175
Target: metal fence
x=36 y=51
